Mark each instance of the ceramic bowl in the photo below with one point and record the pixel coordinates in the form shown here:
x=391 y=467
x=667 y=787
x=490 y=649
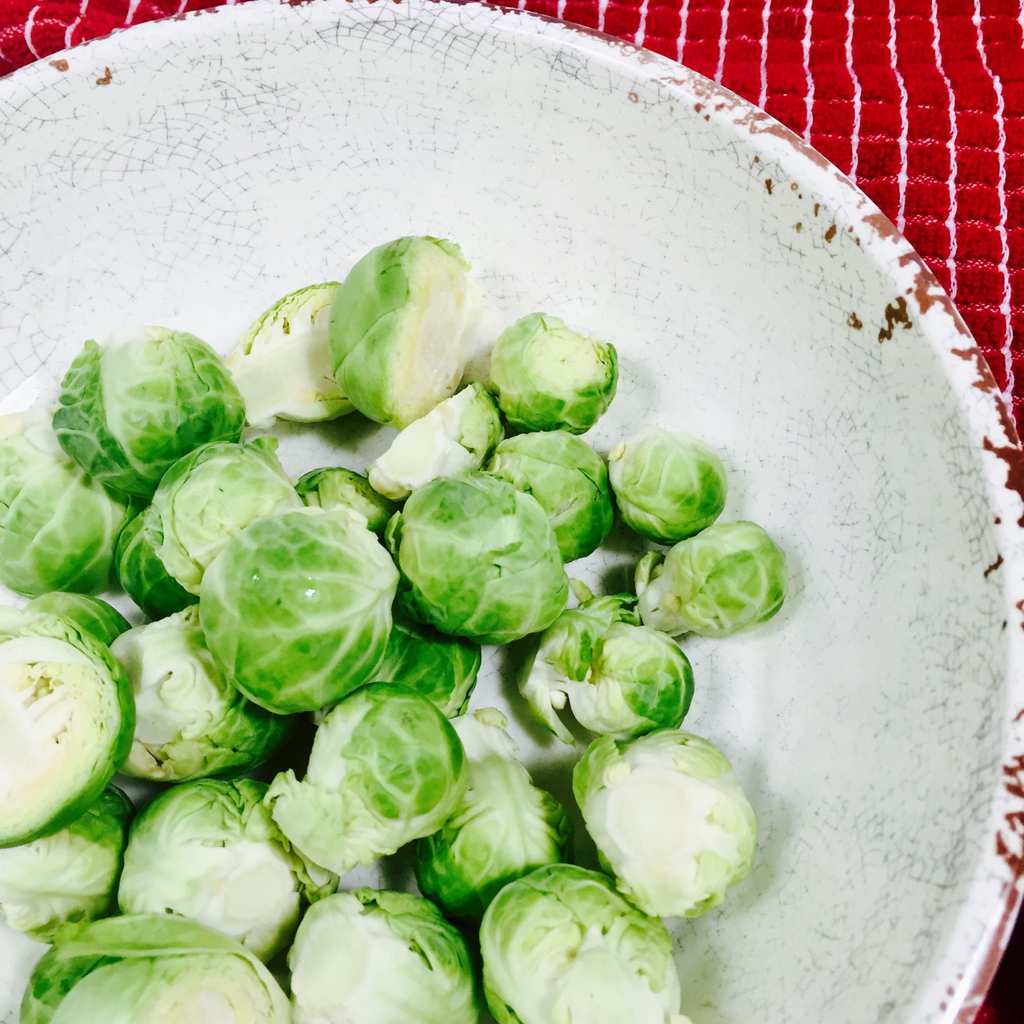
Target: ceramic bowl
x=189 y=172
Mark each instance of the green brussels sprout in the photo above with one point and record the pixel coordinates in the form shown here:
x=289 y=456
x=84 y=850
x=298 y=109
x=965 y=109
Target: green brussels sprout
x=478 y=559
x=189 y=721
x=91 y=614
x=396 y=328
x=141 y=573
x=282 y=365
x=548 y=377
x=334 y=488
x=454 y=437
x=730 y=577
x=156 y=968
x=58 y=527
x=209 y=851
x=667 y=486
x=67 y=723
x=203 y=500
x=620 y=678
x=297 y=608
x=440 y=668
x=370 y=957
x=569 y=480
x=68 y=876
x=502 y=829
x=129 y=409
x=386 y=768
x=562 y=945
x=669 y=819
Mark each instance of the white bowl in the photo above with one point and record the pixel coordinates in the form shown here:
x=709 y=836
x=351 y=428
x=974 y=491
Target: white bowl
x=189 y=173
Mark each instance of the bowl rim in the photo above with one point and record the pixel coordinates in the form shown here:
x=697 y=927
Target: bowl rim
x=999 y=875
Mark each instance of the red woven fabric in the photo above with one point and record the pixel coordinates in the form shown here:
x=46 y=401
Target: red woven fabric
x=920 y=101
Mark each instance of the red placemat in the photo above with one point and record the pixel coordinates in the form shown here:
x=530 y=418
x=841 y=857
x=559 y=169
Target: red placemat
x=921 y=102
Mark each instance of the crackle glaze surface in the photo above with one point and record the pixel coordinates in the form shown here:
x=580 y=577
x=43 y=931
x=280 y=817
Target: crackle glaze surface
x=189 y=173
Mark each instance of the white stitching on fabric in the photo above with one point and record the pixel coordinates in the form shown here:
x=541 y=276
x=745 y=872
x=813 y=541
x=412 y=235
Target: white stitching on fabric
x=762 y=97
x=855 y=131
x=951 y=216
x=809 y=101
x=30 y=22
x=723 y=40
x=901 y=85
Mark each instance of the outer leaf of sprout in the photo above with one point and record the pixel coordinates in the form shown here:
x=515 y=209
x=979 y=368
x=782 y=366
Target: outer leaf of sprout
x=454 y=437
x=141 y=573
x=282 y=365
x=94 y=616
x=336 y=488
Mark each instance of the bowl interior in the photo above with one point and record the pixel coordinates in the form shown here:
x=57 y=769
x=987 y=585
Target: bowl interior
x=232 y=158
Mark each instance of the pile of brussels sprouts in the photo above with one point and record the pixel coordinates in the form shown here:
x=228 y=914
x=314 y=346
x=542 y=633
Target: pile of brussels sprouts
x=362 y=600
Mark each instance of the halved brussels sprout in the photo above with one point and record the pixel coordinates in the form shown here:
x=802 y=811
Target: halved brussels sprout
x=282 y=365
x=456 y=436
x=478 y=559
x=155 y=968
x=440 y=668
x=569 y=480
x=205 y=498
x=396 y=328
x=68 y=876
x=730 y=577
x=502 y=829
x=94 y=616
x=130 y=408
x=58 y=527
x=334 y=487
x=562 y=945
x=189 y=720
x=67 y=720
x=141 y=573
x=209 y=851
x=370 y=957
x=386 y=768
x=549 y=377
x=667 y=486
x=297 y=608
x=620 y=678
x=669 y=819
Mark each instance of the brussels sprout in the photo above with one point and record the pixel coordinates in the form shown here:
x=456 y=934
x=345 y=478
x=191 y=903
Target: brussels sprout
x=334 y=487
x=478 y=559
x=208 y=850
x=57 y=526
x=569 y=480
x=132 y=407
x=730 y=577
x=368 y=957
x=91 y=614
x=548 y=377
x=297 y=608
x=396 y=328
x=141 y=573
x=204 y=499
x=155 y=968
x=282 y=365
x=190 y=721
x=667 y=486
x=619 y=678
x=386 y=768
x=454 y=437
x=669 y=819
x=562 y=945
x=68 y=876
x=503 y=827
x=437 y=667
x=67 y=723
